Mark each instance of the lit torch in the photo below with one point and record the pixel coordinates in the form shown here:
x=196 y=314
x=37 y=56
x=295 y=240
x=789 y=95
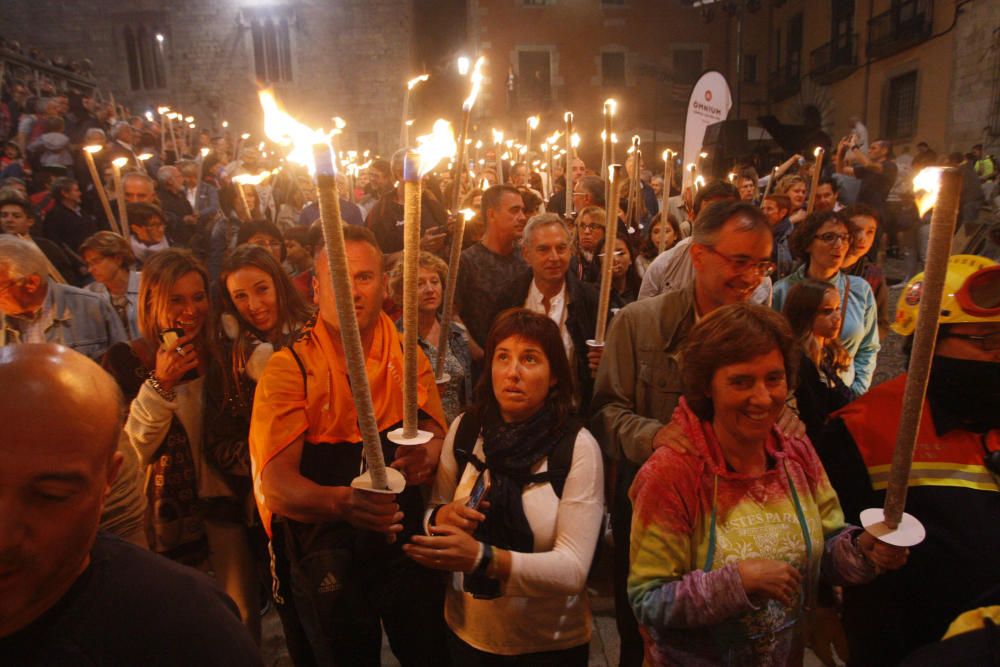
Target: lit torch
x=668 y=176
x=312 y=148
x=433 y=148
x=818 y=154
x=939 y=188
x=116 y=171
x=88 y=154
x=404 y=132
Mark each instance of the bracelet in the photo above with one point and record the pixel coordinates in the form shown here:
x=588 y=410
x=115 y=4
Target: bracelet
x=483 y=564
x=165 y=394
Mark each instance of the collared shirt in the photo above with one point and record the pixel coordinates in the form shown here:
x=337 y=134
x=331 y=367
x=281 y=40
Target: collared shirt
x=557 y=311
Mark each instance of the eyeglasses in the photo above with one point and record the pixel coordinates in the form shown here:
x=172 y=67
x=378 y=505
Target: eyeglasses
x=831 y=238
x=987 y=343
x=589 y=227
x=744 y=264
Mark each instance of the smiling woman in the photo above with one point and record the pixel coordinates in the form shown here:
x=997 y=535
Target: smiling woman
x=729 y=542
x=193 y=517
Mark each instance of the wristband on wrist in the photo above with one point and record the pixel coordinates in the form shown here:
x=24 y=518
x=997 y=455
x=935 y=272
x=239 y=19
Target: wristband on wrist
x=432 y=519
x=166 y=394
x=485 y=558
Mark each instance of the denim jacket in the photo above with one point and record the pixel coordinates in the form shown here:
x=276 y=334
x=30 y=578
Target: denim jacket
x=79 y=319
x=132 y=294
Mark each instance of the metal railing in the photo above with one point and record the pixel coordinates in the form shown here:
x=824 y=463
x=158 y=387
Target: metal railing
x=899 y=28
x=834 y=60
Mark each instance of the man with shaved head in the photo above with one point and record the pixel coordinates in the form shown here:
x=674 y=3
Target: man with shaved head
x=69 y=593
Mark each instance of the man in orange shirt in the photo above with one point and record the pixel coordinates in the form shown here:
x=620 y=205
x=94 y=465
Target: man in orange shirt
x=347 y=579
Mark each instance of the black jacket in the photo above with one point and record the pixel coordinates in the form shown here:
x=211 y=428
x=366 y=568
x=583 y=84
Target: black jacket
x=581 y=321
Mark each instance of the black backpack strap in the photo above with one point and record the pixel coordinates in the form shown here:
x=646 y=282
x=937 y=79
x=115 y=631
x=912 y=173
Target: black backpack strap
x=465 y=443
x=302 y=369
x=561 y=458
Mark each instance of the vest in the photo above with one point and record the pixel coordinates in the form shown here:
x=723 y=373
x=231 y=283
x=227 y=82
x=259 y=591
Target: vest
x=953 y=459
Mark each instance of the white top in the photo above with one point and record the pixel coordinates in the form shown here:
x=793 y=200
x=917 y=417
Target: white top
x=544 y=605
x=149 y=420
x=557 y=312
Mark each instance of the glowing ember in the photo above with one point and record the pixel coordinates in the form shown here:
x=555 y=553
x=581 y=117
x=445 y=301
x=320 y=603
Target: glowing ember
x=285 y=130
x=926 y=185
x=477 y=82
x=436 y=146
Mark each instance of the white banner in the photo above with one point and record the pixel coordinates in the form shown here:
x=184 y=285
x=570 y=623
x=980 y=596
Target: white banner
x=709 y=103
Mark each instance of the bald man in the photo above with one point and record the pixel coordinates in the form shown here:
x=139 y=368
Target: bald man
x=70 y=594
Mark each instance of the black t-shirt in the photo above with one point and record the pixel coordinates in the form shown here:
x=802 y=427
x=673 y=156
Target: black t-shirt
x=875 y=186
x=386 y=220
x=133 y=607
x=482 y=276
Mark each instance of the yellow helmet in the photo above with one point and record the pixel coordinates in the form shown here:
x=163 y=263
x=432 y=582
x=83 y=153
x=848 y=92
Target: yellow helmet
x=971 y=294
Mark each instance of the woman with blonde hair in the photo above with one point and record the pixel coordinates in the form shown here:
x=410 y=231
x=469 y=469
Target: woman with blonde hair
x=431 y=277
x=193 y=516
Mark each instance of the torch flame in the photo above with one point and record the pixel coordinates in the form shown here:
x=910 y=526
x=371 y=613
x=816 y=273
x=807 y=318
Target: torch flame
x=468 y=214
x=568 y=116
x=93 y=148
x=245 y=136
x=699 y=182
x=666 y=155
x=436 y=146
x=120 y=162
x=149 y=116
x=463 y=65
x=144 y=156
x=162 y=110
x=575 y=140
x=415 y=80
x=251 y=179
x=497 y=136
x=691 y=167
x=281 y=128
x=189 y=119
x=732 y=177
x=703 y=155
x=479 y=144
x=477 y=82
x=926 y=185
x=533 y=122
x=204 y=151
x=816 y=153
x=611 y=105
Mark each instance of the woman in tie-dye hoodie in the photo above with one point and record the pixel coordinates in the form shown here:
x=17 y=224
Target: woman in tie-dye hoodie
x=730 y=540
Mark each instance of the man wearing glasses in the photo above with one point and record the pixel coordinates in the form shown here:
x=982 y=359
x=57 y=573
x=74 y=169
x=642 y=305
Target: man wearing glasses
x=639 y=378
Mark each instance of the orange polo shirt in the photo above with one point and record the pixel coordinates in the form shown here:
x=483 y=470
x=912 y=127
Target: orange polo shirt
x=323 y=410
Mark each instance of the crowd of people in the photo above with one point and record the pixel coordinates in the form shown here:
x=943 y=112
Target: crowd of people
x=177 y=402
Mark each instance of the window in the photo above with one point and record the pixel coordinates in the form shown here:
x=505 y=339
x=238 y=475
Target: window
x=272 y=49
x=144 y=53
x=901 y=118
x=534 y=80
x=749 y=68
x=688 y=65
x=613 y=68
x=793 y=47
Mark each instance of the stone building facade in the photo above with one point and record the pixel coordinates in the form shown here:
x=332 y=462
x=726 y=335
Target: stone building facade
x=206 y=58
x=975 y=86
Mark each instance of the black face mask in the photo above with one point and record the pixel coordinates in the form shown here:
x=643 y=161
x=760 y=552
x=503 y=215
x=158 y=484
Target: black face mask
x=968 y=391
